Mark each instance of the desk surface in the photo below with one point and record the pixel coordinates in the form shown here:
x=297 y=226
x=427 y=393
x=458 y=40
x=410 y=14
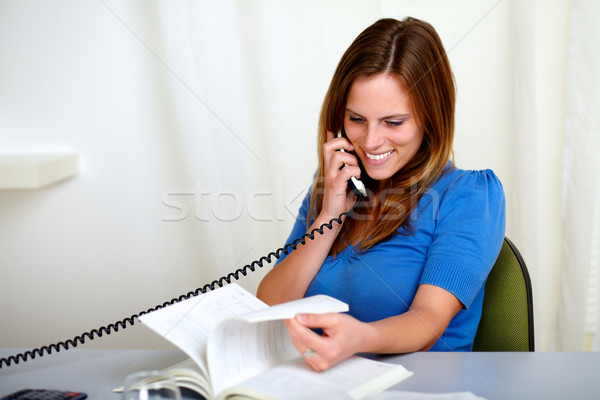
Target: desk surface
x=505 y=376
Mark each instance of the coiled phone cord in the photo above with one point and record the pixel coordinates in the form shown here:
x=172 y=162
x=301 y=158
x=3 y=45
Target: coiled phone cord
x=122 y=324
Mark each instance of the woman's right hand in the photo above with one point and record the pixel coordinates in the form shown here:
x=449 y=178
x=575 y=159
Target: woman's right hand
x=291 y=278
x=336 y=198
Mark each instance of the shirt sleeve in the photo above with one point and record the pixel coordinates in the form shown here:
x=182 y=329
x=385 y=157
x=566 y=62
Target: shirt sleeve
x=468 y=236
x=299 y=228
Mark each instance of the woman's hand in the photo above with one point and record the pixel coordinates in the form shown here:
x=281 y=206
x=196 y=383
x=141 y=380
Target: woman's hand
x=336 y=198
x=343 y=336
x=290 y=280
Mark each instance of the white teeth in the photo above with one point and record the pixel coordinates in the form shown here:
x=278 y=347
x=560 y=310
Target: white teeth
x=378 y=156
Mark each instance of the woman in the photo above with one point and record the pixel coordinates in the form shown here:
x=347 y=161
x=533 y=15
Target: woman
x=412 y=257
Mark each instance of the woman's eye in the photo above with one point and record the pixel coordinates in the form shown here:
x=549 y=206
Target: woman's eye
x=357 y=120
x=394 y=122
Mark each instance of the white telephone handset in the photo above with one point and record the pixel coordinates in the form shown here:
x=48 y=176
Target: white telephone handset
x=356 y=185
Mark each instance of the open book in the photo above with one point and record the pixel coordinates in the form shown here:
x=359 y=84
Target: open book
x=239 y=347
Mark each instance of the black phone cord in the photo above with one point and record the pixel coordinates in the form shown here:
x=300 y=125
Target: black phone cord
x=122 y=324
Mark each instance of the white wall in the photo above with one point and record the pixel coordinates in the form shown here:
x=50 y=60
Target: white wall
x=93 y=249
x=111 y=82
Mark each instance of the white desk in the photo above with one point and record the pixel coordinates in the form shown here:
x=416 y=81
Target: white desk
x=505 y=376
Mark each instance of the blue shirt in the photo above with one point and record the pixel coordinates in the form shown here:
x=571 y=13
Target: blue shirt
x=456 y=234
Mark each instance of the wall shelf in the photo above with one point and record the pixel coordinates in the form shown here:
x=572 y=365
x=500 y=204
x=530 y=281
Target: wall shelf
x=35 y=171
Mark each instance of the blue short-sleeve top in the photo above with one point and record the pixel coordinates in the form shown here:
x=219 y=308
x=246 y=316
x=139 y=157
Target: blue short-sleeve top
x=456 y=234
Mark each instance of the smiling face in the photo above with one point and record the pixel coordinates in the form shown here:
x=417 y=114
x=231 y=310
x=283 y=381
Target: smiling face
x=380 y=123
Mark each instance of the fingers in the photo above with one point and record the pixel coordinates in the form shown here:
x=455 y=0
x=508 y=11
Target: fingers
x=339 y=160
x=339 y=167
x=302 y=337
x=318 y=320
x=309 y=345
x=319 y=351
x=340 y=164
x=341 y=171
x=340 y=143
x=337 y=149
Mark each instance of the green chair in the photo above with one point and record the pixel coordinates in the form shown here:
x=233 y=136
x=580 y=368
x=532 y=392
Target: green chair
x=507 y=317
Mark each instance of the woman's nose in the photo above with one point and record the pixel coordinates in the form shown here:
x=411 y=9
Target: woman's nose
x=373 y=138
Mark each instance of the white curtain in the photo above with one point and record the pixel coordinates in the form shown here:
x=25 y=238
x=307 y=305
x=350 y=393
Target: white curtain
x=210 y=85
x=540 y=43
x=247 y=80
x=579 y=311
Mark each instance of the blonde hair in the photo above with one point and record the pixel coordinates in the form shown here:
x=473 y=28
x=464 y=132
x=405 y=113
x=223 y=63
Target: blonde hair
x=411 y=51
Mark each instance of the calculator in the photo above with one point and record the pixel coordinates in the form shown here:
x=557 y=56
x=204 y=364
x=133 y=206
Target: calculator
x=42 y=394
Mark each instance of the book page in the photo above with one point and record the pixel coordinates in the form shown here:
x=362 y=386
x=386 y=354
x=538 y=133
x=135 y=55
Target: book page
x=249 y=344
x=319 y=304
x=187 y=324
x=238 y=350
x=187 y=374
x=355 y=377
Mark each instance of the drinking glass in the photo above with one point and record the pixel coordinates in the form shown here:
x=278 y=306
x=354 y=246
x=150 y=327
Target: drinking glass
x=150 y=385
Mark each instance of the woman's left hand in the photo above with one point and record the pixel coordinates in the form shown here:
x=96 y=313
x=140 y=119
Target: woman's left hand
x=343 y=336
